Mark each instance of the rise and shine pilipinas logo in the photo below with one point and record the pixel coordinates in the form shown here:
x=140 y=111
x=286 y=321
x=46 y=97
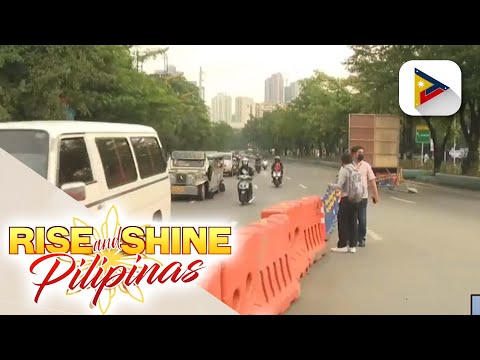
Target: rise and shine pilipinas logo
x=112 y=260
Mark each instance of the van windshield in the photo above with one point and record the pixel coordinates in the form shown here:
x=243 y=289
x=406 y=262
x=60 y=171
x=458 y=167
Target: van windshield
x=28 y=146
x=188 y=163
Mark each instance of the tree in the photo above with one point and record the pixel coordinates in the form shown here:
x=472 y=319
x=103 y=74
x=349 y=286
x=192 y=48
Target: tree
x=100 y=83
x=468 y=58
x=222 y=137
x=375 y=75
x=316 y=119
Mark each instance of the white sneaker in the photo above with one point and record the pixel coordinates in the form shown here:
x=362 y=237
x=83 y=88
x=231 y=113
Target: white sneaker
x=339 y=250
x=352 y=250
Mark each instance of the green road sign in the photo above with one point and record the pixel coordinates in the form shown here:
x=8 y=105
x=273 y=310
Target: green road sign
x=422 y=136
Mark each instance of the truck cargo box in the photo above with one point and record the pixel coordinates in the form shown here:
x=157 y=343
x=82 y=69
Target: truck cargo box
x=380 y=137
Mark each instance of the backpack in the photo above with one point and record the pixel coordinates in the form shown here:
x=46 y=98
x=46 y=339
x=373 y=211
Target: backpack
x=354 y=184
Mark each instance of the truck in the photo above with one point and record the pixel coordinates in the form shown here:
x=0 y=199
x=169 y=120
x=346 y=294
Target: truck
x=379 y=135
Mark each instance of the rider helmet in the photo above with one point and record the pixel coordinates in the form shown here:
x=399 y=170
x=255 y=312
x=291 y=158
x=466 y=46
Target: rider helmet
x=245 y=161
x=277 y=158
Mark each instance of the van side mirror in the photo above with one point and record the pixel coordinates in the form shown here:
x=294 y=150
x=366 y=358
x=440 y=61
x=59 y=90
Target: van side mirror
x=76 y=190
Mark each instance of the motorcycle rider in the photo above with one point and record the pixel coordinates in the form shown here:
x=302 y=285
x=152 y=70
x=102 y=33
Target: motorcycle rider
x=258 y=160
x=277 y=166
x=245 y=169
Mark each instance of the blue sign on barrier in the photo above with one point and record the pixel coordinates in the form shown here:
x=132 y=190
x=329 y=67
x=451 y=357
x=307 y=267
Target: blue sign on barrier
x=330 y=203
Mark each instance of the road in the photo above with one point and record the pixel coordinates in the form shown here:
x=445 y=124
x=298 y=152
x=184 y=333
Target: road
x=422 y=254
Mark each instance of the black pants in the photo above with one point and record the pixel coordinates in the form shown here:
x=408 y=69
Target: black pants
x=347 y=223
x=362 y=219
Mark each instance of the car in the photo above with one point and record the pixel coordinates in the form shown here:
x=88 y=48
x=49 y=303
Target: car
x=227 y=163
x=99 y=164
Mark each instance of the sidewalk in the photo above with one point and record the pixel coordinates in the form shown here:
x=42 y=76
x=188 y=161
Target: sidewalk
x=421 y=176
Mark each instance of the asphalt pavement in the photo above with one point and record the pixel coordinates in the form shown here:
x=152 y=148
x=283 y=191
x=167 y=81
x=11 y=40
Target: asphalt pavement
x=422 y=254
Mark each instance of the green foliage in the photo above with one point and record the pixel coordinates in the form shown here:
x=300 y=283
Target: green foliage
x=318 y=118
x=315 y=119
x=101 y=83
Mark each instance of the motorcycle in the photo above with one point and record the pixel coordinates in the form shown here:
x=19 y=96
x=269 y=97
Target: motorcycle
x=243 y=185
x=264 y=164
x=258 y=167
x=277 y=178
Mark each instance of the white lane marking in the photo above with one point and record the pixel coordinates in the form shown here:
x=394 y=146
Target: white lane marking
x=302 y=186
x=192 y=201
x=288 y=178
x=255 y=186
x=398 y=199
x=372 y=234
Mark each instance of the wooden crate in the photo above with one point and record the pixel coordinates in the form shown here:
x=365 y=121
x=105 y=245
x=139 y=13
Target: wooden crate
x=379 y=135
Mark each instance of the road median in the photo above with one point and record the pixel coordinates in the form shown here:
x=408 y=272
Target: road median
x=420 y=176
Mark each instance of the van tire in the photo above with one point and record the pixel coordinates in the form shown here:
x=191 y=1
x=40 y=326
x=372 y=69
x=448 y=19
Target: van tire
x=202 y=190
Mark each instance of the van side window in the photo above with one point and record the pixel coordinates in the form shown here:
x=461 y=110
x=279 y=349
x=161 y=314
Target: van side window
x=74 y=163
x=117 y=161
x=149 y=156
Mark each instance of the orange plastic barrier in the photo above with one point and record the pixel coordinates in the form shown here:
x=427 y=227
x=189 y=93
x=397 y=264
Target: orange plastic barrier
x=239 y=275
x=258 y=280
x=271 y=256
x=212 y=281
x=314 y=228
x=300 y=214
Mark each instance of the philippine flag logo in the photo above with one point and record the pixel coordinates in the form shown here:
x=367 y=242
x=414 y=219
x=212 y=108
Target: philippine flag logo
x=430 y=88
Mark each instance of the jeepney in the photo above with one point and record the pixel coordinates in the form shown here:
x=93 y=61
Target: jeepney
x=192 y=174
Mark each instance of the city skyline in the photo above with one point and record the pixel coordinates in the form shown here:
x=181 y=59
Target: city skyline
x=241 y=70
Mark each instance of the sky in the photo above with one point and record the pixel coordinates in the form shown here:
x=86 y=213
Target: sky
x=241 y=70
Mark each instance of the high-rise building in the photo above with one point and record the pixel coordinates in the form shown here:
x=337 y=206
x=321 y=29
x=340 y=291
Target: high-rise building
x=201 y=86
x=261 y=108
x=222 y=108
x=292 y=91
x=274 y=89
x=243 y=109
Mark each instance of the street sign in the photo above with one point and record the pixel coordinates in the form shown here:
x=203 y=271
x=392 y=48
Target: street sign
x=422 y=135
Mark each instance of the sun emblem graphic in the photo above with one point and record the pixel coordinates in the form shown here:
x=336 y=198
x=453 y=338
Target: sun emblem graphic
x=108 y=230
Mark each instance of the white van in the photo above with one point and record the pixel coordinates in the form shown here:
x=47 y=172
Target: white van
x=98 y=164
